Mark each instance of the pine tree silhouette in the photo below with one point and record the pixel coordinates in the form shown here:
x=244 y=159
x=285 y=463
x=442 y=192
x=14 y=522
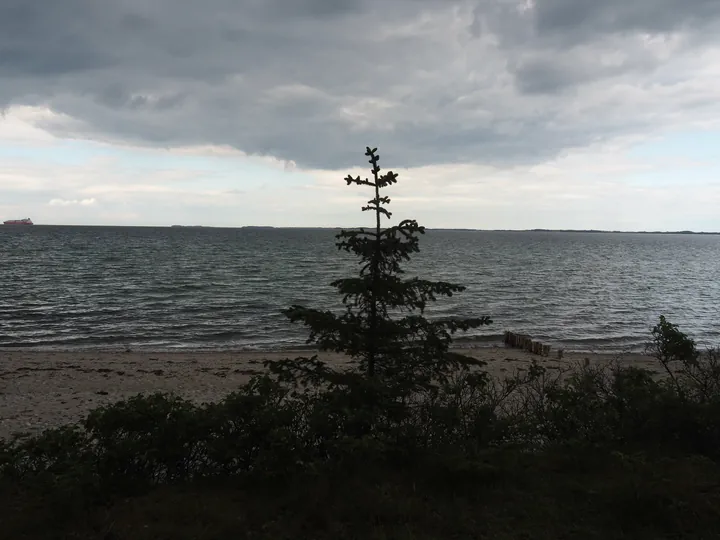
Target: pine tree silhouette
x=383 y=329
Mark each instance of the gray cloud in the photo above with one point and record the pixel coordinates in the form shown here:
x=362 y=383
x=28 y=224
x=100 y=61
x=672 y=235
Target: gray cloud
x=577 y=18
x=315 y=81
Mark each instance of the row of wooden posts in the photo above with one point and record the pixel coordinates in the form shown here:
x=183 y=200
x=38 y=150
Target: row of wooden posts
x=525 y=342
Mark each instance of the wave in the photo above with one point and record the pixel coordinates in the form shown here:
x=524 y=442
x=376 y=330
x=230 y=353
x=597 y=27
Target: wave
x=96 y=287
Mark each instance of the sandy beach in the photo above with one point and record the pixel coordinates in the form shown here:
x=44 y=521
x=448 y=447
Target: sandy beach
x=40 y=389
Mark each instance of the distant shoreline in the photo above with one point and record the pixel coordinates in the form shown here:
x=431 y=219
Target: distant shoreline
x=594 y=231
x=271 y=227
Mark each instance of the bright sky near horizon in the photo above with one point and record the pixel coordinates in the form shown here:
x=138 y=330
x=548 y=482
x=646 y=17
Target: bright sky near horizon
x=511 y=114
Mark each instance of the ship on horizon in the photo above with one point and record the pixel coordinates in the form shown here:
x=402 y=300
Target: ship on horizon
x=25 y=221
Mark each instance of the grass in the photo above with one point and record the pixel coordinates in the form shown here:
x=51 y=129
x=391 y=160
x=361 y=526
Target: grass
x=560 y=493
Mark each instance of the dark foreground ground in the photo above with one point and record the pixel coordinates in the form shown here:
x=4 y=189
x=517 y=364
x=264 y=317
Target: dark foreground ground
x=583 y=494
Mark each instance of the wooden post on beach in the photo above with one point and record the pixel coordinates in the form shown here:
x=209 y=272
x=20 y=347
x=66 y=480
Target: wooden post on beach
x=526 y=343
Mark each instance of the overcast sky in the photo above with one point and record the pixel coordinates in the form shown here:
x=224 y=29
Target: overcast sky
x=496 y=113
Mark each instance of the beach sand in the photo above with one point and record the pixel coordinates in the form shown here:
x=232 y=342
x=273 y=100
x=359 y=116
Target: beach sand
x=40 y=389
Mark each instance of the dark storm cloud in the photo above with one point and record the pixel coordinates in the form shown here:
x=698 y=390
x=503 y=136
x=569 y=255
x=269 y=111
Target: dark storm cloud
x=548 y=72
x=577 y=18
x=315 y=81
x=556 y=44
x=47 y=38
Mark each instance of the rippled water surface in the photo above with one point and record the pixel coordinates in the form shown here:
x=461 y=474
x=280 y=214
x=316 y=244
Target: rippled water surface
x=163 y=288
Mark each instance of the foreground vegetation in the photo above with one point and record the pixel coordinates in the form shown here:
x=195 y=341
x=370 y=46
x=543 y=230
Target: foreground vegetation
x=565 y=493
x=602 y=453
x=410 y=441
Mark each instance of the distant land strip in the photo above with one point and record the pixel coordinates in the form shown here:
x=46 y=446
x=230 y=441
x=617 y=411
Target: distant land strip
x=577 y=231
x=597 y=231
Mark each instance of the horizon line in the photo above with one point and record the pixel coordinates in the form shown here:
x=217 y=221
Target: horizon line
x=468 y=229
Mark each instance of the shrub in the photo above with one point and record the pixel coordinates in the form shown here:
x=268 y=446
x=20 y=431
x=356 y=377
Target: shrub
x=146 y=439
